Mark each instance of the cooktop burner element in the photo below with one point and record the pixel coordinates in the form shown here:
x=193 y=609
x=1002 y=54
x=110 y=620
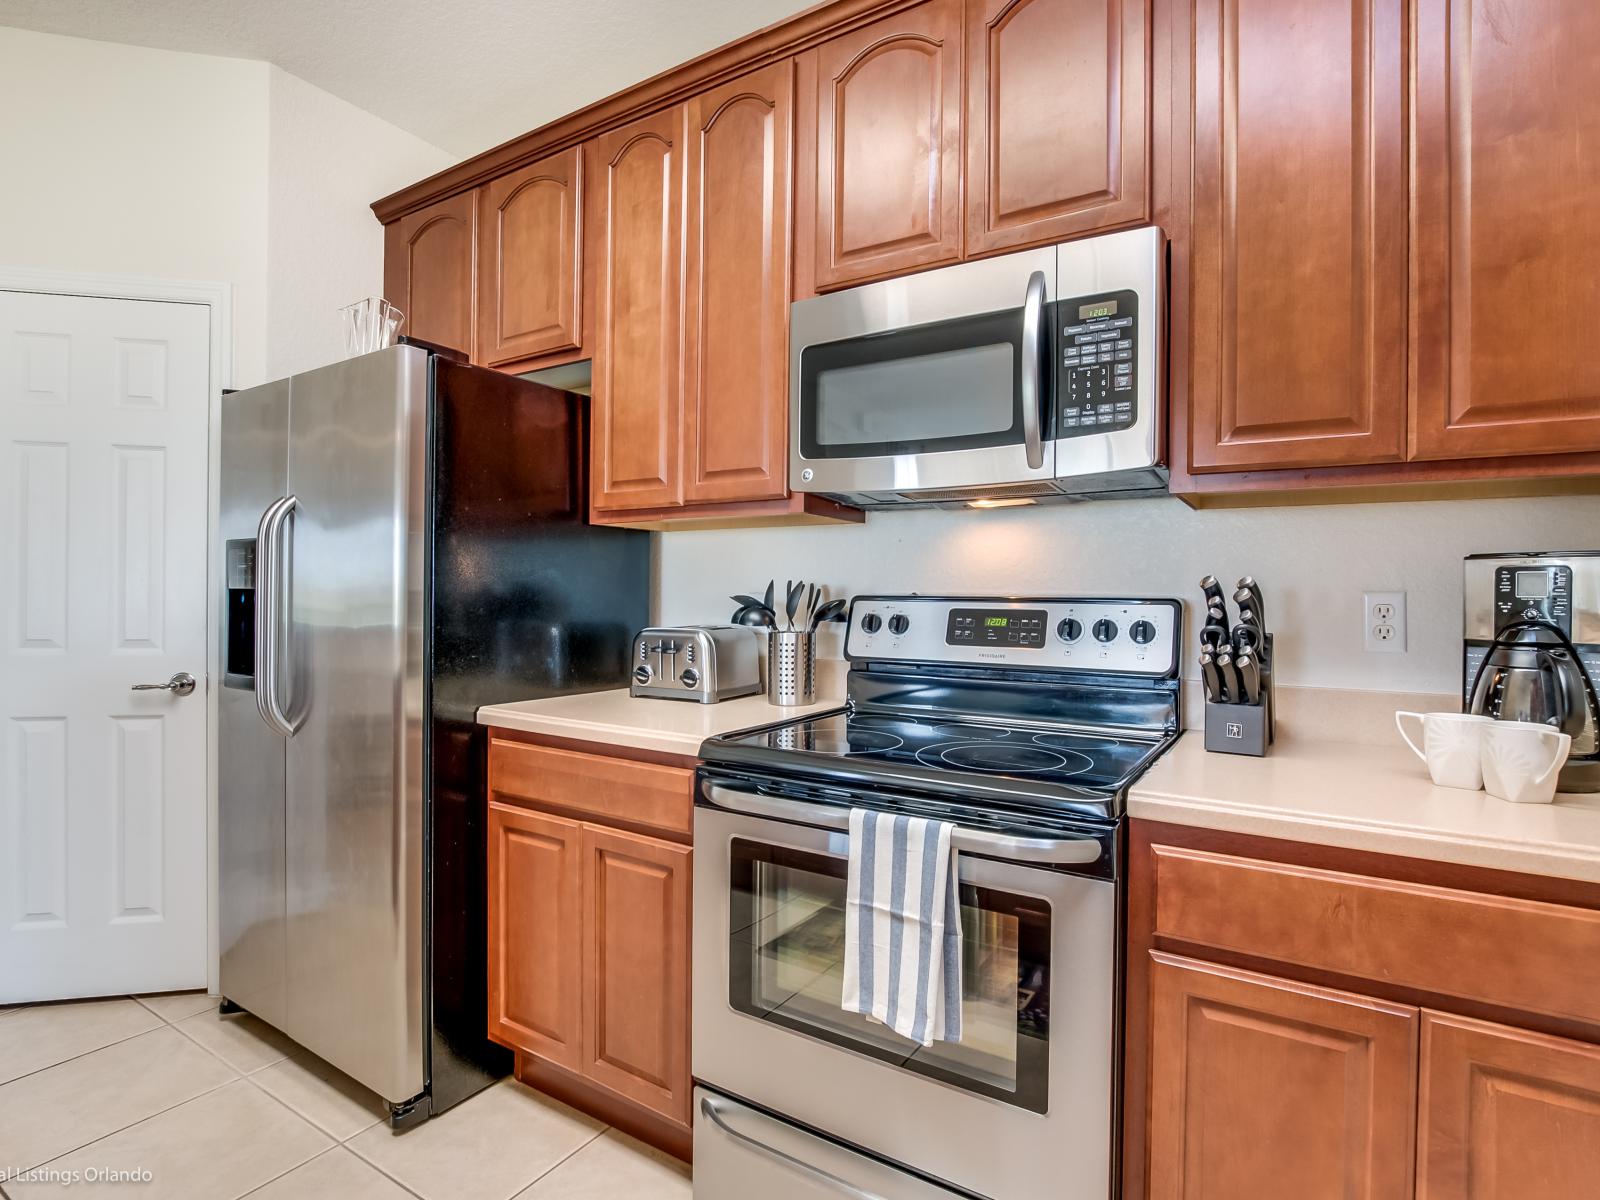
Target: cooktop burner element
x=1058 y=729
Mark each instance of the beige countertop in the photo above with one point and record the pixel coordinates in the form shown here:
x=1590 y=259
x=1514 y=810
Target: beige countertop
x=615 y=718
x=1366 y=797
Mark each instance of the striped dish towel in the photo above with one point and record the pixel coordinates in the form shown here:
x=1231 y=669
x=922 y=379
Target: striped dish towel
x=902 y=922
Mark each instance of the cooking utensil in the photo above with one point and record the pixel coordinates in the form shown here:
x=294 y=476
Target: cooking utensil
x=748 y=602
x=1250 y=676
x=1248 y=585
x=1213 y=637
x=1211 y=678
x=767 y=600
x=756 y=616
x=833 y=610
x=1231 y=683
x=792 y=603
x=1215 y=600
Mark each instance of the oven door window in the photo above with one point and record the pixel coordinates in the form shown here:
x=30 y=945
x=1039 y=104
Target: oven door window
x=949 y=385
x=786 y=966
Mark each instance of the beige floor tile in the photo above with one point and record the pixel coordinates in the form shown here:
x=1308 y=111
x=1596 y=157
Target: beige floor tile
x=216 y=1147
x=173 y=1007
x=322 y=1094
x=334 y=1175
x=46 y=1034
x=614 y=1165
x=486 y=1148
x=243 y=1042
x=60 y=1108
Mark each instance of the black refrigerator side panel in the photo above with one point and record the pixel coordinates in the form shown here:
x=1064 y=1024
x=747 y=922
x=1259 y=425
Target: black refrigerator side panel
x=527 y=600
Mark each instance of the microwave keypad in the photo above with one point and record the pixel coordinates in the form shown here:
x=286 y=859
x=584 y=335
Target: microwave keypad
x=1099 y=362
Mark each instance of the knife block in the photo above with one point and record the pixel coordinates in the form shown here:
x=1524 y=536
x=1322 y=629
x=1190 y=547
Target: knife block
x=1244 y=728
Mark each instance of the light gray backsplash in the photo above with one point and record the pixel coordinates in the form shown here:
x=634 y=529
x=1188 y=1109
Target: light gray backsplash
x=1312 y=562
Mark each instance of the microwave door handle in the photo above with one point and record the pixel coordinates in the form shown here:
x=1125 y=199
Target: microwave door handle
x=969 y=841
x=713 y=1113
x=1032 y=372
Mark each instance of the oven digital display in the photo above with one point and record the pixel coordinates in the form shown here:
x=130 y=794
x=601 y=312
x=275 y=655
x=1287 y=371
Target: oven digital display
x=1021 y=628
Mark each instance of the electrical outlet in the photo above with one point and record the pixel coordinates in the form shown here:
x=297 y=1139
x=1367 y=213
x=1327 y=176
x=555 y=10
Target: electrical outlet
x=1383 y=622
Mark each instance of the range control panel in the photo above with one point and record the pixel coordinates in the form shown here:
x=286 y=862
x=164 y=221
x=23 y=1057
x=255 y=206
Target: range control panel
x=1099 y=363
x=1060 y=633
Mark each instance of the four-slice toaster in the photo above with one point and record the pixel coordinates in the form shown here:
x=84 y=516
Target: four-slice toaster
x=706 y=663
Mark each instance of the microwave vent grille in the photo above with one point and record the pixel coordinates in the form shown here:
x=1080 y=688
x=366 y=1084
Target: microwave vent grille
x=1013 y=491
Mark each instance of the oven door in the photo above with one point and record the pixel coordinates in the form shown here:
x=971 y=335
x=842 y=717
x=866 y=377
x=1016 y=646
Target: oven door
x=937 y=380
x=980 y=1113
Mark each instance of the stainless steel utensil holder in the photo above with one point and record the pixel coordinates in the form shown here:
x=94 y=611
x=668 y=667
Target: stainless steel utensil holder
x=791 y=667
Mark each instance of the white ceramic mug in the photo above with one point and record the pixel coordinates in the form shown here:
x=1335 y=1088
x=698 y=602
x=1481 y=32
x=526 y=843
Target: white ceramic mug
x=1450 y=746
x=1521 y=760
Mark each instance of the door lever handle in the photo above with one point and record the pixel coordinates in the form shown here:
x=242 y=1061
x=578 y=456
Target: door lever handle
x=181 y=684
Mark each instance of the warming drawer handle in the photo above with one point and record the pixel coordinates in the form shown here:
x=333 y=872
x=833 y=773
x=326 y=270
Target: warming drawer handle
x=972 y=841
x=714 y=1115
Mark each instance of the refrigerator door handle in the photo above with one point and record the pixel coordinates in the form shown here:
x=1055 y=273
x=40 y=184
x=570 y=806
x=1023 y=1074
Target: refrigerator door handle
x=272 y=616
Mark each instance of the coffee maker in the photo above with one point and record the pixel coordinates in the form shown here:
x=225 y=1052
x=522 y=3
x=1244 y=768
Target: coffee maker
x=1532 y=648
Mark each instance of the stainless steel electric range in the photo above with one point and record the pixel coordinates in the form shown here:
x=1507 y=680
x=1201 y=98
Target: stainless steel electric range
x=1023 y=722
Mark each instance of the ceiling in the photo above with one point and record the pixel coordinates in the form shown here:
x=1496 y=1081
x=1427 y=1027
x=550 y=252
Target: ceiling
x=465 y=75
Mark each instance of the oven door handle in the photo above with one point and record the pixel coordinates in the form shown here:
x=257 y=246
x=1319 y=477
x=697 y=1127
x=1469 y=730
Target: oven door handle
x=1032 y=370
x=968 y=841
x=713 y=1113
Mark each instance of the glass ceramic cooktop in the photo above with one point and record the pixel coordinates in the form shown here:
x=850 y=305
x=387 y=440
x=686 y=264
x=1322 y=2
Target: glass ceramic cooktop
x=1032 y=754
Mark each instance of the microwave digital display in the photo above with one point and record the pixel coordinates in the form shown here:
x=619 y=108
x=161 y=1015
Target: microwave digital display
x=1091 y=312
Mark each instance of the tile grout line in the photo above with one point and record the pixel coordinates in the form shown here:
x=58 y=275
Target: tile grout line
x=338 y=1142
x=81 y=1054
x=123 y=1129
x=333 y=1149
x=555 y=1166
x=243 y=1074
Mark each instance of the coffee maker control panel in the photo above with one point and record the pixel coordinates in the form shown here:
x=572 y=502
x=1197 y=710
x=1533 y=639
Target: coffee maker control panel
x=1533 y=593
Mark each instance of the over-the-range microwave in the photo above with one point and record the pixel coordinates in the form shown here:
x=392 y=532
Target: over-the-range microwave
x=1028 y=376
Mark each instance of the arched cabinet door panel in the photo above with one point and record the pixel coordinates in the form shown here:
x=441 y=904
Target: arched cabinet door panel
x=887 y=109
x=530 y=266
x=428 y=271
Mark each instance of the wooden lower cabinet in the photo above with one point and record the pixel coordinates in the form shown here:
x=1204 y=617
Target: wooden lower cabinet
x=636 y=968
x=589 y=932
x=1506 y=1114
x=1262 y=1087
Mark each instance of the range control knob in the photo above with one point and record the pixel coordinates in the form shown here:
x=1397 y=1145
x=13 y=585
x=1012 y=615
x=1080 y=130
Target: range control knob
x=1105 y=630
x=899 y=623
x=1070 y=630
x=871 y=623
x=1142 y=632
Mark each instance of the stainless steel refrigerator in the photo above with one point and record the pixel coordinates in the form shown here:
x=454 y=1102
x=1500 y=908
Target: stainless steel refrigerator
x=404 y=539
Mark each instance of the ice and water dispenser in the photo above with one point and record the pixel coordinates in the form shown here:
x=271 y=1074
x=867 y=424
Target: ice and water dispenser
x=240 y=651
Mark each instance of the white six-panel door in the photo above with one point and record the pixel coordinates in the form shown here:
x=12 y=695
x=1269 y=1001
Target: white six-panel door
x=103 y=442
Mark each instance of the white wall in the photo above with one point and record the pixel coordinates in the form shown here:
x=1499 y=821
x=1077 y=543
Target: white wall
x=1313 y=564
x=327 y=162
x=131 y=161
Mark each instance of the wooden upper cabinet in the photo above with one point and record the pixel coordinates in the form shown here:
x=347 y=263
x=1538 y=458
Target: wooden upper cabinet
x=1262 y=1087
x=535 y=924
x=428 y=261
x=636 y=968
x=1298 y=242
x=1506 y=1114
x=886 y=108
x=1057 y=119
x=1506 y=228
x=530 y=262
x=736 y=298
x=638 y=222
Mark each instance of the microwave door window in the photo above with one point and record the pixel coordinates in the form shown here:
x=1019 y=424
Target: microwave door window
x=951 y=385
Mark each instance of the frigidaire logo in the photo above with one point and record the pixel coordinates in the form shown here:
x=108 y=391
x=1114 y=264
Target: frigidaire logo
x=991 y=654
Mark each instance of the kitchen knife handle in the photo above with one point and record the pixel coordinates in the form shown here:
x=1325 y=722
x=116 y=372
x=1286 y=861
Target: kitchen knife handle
x=1211 y=679
x=1250 y=675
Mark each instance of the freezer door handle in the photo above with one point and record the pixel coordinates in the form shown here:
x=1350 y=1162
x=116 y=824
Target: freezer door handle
x=273 y=548
x=712 y=1111
x=969 y=841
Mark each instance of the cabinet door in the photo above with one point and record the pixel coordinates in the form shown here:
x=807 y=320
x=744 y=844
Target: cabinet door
x=1506 y=1114
x=1263 y=1087
x=1506 y=228
x=736 y=310
x=1057 y=119
x=887 y=111
x=535 y=941
x=428 y=261
x=530 y=265
x=638 y=354
x=636 y=968
x=1298 y=256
